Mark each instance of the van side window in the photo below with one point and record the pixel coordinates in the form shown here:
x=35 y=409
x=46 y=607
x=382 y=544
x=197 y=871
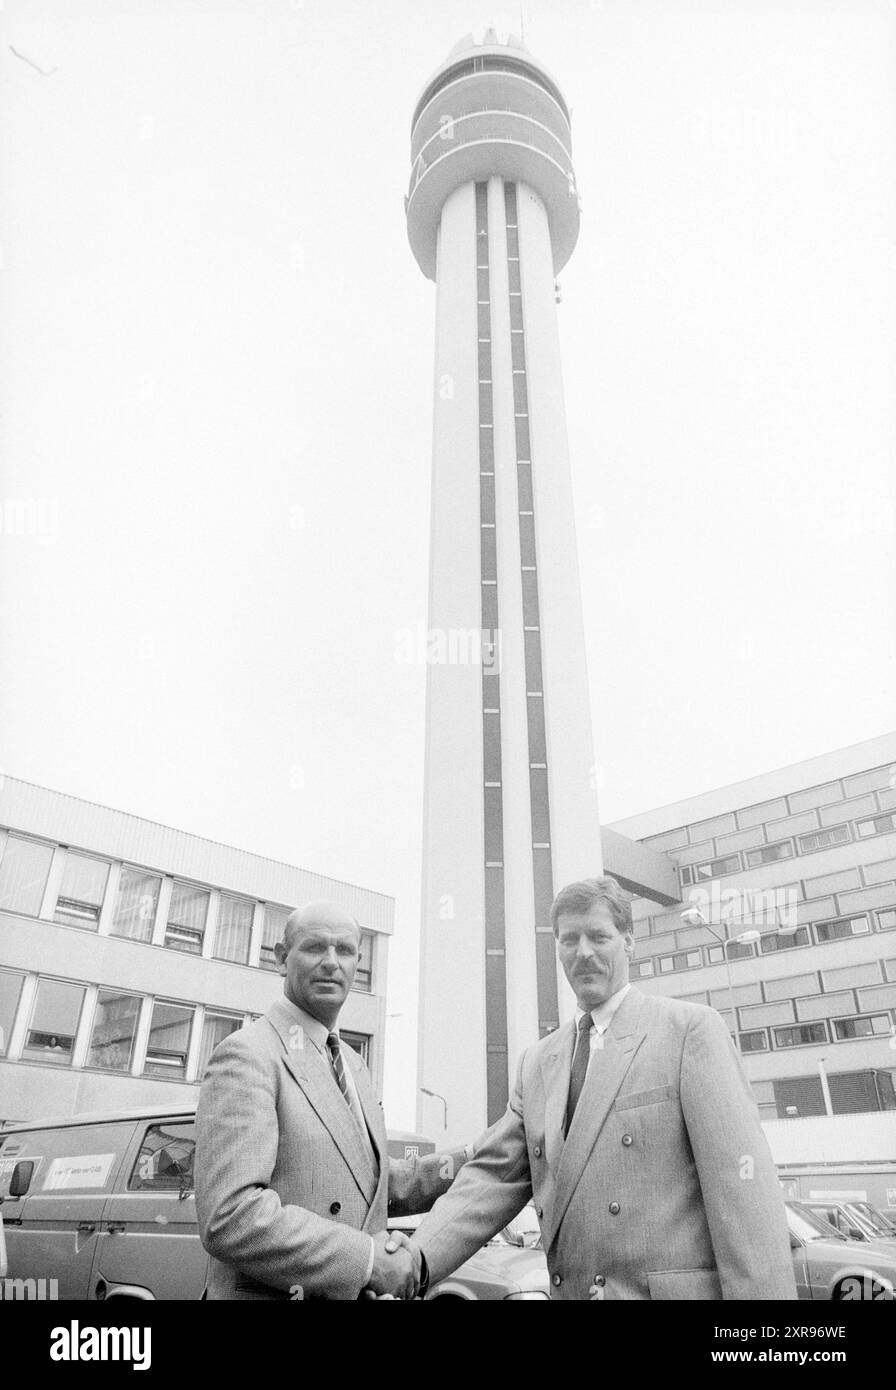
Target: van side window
x=165 y=1160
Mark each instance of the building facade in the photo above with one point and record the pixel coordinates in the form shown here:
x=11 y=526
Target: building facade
x=510 y=805
x=801 y=864
x=129 y=950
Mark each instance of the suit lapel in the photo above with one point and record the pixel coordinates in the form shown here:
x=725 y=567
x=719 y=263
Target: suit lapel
x=606 y=1074
x=556 y=1064
x=313 y=1073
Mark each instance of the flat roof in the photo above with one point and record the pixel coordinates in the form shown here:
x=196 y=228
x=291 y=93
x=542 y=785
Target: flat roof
x=826 y=767
x=98 y=829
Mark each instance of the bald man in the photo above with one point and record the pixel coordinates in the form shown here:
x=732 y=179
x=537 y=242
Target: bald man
x=294 y=1184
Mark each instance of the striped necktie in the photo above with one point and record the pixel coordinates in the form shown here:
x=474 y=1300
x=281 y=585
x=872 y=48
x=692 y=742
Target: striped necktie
x=579 y=1069
x=335 y=1051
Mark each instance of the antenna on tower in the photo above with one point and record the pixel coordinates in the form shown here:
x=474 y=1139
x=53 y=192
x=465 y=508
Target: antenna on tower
x=522 y=25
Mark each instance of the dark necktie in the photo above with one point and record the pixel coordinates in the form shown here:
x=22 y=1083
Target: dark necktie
x=335 y=1052
x=579 y=1068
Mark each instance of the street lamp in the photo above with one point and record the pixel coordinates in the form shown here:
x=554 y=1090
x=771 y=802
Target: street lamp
x=435 y=1095
x=695 y=918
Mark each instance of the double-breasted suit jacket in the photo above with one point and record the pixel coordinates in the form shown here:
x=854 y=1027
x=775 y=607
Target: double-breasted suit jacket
x=664 y=1187
x=286 y=1185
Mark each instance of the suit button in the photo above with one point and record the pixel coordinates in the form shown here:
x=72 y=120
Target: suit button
x=539 y=1212
x=614 y=1208
x=556 y=1281
x=537 y=1151
x=335 y=1208
x=627 y=1140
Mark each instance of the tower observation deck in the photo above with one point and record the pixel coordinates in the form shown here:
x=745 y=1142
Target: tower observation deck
x=491 y=108
x=510 y=809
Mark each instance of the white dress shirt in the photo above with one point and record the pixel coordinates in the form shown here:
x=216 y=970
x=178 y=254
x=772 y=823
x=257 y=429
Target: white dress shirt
x=601 y=1018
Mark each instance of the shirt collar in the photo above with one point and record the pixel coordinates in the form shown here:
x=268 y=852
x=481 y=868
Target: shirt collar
x=602 y=1016
x=312 y=1027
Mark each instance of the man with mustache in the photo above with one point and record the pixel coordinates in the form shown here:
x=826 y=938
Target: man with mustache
x=294 y=1184
x=635 y=1131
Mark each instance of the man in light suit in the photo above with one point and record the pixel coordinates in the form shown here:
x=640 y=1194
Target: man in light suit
x=634 y=1129
x=294 y=1184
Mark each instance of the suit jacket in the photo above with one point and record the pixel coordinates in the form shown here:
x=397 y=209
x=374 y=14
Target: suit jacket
x=285 y=1183
x=664 y=1187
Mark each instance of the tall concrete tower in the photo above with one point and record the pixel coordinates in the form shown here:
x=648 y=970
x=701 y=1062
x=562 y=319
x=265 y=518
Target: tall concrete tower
x=510 y=810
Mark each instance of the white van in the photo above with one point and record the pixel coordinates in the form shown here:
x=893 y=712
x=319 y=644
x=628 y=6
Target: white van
x=101 y=1206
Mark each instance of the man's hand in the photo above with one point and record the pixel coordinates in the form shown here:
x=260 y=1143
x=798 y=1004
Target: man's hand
x=396 y=1267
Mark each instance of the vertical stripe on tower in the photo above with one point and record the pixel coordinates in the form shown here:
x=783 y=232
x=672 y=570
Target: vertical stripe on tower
x=545 y=964
x=493 y=907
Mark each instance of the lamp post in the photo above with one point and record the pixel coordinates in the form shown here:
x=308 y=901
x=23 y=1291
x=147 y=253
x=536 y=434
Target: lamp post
x=694 y=917
x=435 y=1095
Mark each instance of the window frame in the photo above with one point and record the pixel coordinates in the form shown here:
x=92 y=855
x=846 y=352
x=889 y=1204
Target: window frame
x=29 y=1029
x=859 y=1018
x=146 y=1062
x=835 y=921
x=778 y=1029
x=832 y=830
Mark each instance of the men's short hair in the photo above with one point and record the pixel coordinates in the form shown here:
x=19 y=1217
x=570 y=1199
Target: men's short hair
x=587 y=894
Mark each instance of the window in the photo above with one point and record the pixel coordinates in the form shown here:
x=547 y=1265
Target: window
x=169 y=1041
x=739 y=950
x=359 y=1042
x=841 y=929
x=215 y=1029
x=165 y=1160
x=641 y=969
x=186 y=918
x=82 y=891
x=681 y=960
x=135 y=905
x=767 y=854
x=10 y=993
x=234 y=933
x=54 y=1023
x=868 y=1026
x=886 y=920
x=754 y=1041
x=876 y=825
x=714 y=955
x=771 y=941
x=823 y=839
x=364 y=972
x=275 y=919
x=687 y=875
x=24 y=869
x=801 y=1036
x=114 y=1030
x=714 y=868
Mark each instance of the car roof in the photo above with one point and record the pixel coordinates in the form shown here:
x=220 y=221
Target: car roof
x=97 y=1117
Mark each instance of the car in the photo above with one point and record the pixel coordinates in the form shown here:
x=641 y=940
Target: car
x=857 y=1220
x=828 y=1265
x=510 y=1266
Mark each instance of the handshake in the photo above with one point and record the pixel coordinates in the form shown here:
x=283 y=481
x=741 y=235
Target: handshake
x=397 y=1265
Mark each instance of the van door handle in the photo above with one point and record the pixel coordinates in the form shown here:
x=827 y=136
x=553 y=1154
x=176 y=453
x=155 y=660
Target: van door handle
x=115 y=1228
x=86 y=1228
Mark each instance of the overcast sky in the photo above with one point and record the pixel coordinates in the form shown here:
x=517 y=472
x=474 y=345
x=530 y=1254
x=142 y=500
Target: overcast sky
x=216 y=369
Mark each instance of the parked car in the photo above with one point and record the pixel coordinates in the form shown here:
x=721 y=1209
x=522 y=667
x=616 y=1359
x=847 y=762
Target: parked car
x=856 y=1220
x=511 y=1266
x=828 y=1265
